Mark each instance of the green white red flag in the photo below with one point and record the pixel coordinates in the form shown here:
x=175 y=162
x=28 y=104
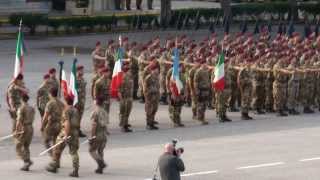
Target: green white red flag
x=218 y=81
x=19 y=61
x=73 y=89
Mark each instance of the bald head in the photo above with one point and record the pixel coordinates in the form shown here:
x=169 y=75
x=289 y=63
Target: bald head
x=168 y=148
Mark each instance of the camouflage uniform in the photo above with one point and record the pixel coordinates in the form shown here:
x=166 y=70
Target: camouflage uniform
x=51 y=123
x=142 y=66
x=202 y=87
x=53 y=83
x=14 y=95
x=269 y=87
x=81 y=84
x=223 y=96
x=70 y=115
x=151 y=87
x=279 y=89
x=257 y=88
x=293 y=90
x=308 y=87
x=25 y=118
x=126 y=99
x=97 y=63
x=234 y=88
x=175 y=102
x=192 y=91
x=43 y=97
x=245 y=85
x=163 y=73
x=134 y=67
x=99 y=119
x=102 y=89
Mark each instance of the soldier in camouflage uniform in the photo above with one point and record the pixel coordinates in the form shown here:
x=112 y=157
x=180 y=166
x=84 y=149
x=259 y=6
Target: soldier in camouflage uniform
x=293 y=88
x=164 y=67
x=102 y=88
x=53 y=81
x=245 y=85
x=25 y=118
x=99 y=121
x=308 y=87
x=202 y=87
x=269 y=86
x=51 y=122
x=69 y=135
x=43 y=95
x=233 y=73
x=134 y=69
x=176 y=100
x=151 y=92
x=14 y=94
x=279 y=88
x=142 y=64
x=94 y=79
x=192 y=89
x=81 y=84
x=110 y=52
x=222 y=96
x=98 y=58
x=125 y=95
x=257 y=87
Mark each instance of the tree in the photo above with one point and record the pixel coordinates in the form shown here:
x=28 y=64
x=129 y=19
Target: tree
x=165 y=12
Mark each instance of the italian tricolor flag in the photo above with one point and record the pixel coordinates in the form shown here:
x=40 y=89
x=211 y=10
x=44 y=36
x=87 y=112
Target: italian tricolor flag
x=73 y=90
x=64 y=83
x=18 y=67
x=117 y=74
x=218 y=81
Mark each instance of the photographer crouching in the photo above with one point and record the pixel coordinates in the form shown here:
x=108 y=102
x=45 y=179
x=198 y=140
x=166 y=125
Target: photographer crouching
x=170 y=164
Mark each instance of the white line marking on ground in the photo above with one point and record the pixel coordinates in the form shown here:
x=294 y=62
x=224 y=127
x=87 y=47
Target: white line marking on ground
x=196 y=173
x=200 y=173
x=310 y=159
x=261 y=165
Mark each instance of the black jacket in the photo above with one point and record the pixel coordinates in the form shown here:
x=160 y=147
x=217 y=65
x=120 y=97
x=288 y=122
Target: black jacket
x=170 y=167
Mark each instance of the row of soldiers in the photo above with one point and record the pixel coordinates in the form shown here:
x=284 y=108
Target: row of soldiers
x=60 y=122
x=260 y=74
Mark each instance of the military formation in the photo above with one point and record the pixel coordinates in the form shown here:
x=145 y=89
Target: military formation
x=261 y=75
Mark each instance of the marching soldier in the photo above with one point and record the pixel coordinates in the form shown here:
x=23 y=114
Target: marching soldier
x=269 y=86
x=244 y=83
x=51 y=122
x=134 y=69
x=43 y=95
x=102 y=88
x=142 y=62
x=151 y=92
x=233 y=73
x=69 y=135
x=24 y=131
x=202 y=88
x=99 y=121
x=14 y=94
x=94 y=79
x=81 y=84
x=164 y=67
x=125 y=95
x=176 y=99
x=308 y=87
x=110 y=52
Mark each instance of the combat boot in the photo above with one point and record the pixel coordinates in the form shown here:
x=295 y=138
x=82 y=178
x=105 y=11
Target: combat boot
x=126 y=129
x=26 y=166
x=52 y=168
x=259 y=111
x=142 y=99
x=245 y=116
x=81 y=134
x=101 y=166
x=163 y=100
x=233 y=109
x=307 y=110
x=74 y=173
x=152 y=127
x=281 y=113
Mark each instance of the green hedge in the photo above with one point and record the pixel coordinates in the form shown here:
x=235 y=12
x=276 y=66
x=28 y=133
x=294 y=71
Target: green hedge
x=180 y=18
